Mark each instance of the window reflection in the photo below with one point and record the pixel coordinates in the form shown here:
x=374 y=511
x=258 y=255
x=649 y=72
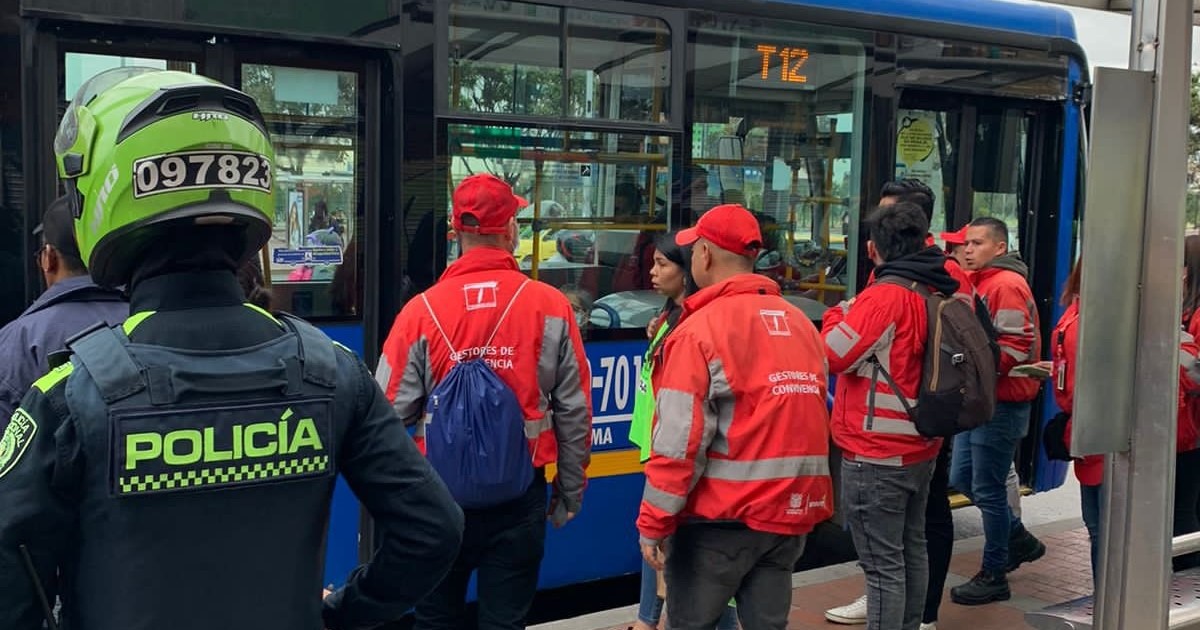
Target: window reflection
x=313 y=119
x=506 y=58
x=620 y=65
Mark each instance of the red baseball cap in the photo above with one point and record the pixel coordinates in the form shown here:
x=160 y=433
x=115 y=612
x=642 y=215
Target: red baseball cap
x=487 y=198
x=730 y=227
x=955 y=238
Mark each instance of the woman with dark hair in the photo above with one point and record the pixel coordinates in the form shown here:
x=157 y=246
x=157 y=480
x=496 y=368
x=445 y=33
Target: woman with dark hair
x=671 y=277
x=1187 y=455
x=1064 y=343
x=250 y=276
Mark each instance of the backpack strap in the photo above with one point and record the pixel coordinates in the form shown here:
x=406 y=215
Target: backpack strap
x=880 y=370
x=446 y=338
x=318 y=363
x=105 y=355
x=911 y=285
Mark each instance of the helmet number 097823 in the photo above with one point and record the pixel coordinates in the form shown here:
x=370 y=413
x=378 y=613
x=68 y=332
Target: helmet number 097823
x=201 y=169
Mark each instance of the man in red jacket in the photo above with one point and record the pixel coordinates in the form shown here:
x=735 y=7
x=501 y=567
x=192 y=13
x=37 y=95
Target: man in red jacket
x=983 y=456
x=739 y=466
x=537 y=351
x=939 y=524
x=876 y=343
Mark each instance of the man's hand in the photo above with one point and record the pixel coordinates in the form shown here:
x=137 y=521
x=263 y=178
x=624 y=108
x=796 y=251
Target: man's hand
x=654 y=555
x=558 y=513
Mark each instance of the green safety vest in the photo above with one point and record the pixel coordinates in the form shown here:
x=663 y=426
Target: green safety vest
x=643 y=400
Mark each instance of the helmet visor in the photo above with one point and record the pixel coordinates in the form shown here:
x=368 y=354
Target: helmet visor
x=68 y=129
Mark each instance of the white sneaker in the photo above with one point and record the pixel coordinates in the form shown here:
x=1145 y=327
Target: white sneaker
x=929 y=626
x=851 y=614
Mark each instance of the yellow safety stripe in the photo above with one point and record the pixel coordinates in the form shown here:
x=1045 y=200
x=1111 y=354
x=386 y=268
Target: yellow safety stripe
x=54 y=377
x=133 y=321
x=262 y=311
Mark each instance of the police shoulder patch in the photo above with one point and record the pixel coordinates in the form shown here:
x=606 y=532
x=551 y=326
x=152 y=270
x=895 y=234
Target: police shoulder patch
x=17 y=437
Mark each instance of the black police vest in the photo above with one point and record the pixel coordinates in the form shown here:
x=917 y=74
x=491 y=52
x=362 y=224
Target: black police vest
x=207 y=480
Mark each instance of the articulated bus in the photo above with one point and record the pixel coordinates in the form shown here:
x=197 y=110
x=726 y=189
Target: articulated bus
x=618 y=120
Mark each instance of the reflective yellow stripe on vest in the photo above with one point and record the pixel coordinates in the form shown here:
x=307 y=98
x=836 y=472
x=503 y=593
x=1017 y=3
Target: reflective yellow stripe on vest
x=641 y=428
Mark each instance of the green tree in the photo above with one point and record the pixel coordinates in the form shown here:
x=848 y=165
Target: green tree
x=1192 y=211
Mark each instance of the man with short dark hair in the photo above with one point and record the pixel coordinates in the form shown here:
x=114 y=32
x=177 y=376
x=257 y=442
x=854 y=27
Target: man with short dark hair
x=939 y=524
x=910 y=190
x=739 y=467
x=983 y=456
x=875 y=343
x=71 y=303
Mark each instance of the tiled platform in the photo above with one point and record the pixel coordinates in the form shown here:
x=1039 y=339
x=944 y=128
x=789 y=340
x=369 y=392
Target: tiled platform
x=1062 y=574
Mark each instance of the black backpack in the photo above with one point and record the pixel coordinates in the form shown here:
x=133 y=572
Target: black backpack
x=958 y=376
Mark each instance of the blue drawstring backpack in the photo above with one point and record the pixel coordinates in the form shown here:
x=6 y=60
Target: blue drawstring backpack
x=475 y=439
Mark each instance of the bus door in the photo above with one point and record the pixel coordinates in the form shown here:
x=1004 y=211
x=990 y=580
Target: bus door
x=320 y=109
x=994 y=157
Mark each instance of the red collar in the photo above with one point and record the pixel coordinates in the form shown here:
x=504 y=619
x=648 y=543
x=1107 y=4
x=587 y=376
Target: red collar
x=741 y=284
x=479 y=259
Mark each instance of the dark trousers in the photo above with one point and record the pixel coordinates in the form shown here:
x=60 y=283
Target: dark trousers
x=504 y=545
x=939 y=533
x=709 y=563
x=1187 y=503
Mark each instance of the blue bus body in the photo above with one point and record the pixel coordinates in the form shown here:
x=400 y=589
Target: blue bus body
x=602 y=542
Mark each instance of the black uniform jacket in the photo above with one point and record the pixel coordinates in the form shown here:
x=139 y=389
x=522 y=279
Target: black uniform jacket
x=246 y=552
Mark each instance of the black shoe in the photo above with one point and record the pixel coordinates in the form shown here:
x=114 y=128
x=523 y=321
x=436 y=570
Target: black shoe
x=1023 y=547
x=986 y=587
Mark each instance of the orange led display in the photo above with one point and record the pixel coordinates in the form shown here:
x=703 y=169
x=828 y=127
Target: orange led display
x=792 y=62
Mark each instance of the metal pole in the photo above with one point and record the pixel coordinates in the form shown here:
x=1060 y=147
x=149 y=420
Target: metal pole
x=1135 y=576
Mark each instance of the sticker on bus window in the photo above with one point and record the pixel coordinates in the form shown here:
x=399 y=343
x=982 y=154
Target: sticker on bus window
x=201 y=169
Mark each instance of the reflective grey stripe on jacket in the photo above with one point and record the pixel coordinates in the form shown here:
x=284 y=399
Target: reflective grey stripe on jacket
x=564 y=405
x=416 y=381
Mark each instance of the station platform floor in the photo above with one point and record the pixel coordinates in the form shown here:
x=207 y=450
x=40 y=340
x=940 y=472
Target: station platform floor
x=1061 y=575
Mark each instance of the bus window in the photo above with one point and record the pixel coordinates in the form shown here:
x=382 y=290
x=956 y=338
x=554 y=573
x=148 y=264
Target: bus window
x=778 y=127
x=999 y=178
x=505 y=58
x=597 y=200
x=620 y=66
x=78 y=67
x=926 y=149
x=313 y=116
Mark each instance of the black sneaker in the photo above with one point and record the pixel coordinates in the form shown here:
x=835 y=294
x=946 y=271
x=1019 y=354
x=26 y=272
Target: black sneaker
x=1023 y=547
x=986 y=587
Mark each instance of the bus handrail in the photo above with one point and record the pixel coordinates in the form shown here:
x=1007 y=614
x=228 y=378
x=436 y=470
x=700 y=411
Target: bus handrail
x=1185 y=544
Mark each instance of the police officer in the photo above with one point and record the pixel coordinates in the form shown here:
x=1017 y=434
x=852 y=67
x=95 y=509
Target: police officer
x=177 y=472
x=70 y=303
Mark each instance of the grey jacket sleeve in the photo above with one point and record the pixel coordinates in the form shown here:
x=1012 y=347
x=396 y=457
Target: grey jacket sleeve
x=417 y=521
x=571 y=406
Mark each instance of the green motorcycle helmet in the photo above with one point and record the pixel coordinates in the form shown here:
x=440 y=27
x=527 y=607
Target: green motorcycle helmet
x=141 y=150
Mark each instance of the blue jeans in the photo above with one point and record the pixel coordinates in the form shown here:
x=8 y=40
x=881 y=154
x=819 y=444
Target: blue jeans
x=650 y=607
x=981 y=460
x=1091 y=498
